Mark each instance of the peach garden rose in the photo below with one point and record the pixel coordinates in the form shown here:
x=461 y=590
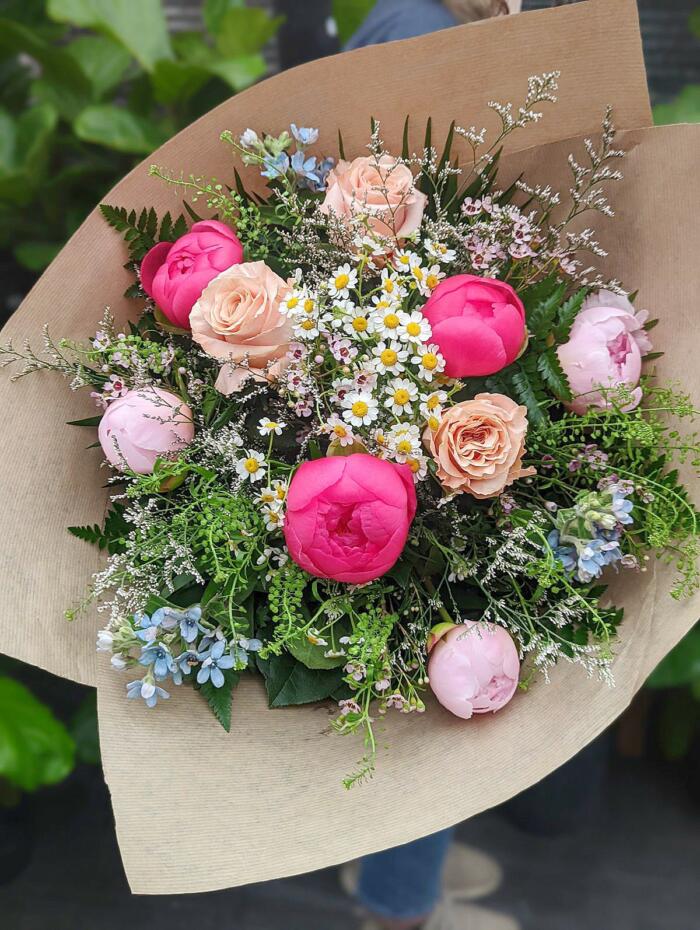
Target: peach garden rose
x=479 y=445
x=381 y=189
x=237 y=320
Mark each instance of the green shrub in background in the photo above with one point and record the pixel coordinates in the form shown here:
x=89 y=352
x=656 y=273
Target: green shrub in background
x=686 y=107
x=88 y=86
x=349 y=16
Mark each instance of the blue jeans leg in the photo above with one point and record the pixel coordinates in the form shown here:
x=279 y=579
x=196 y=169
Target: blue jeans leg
x=404 y=882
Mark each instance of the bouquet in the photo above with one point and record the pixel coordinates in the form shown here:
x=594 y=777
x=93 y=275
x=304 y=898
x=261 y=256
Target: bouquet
x=376 y=428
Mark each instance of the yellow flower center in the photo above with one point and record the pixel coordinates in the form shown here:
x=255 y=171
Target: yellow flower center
x=271 y=425
x=341 y=281
x=413 y=328
x=307 y=325
x=391 y=321
x=405 y=260
x=359 y=408
x=308 y=305
x=267 y=497
x=273 y=517
x=280 y=493
x=389 y=286
x=429 y=361
x=293 y=302
x=414 y=465
x=432 y=281
x=251 y=466
x=388 y=357
x=380 y=439
x=401 y=396
x=433 y=423
x=340 y=430
x=359 y=324
x=432 y=402
x=404 y=447
x=418 y=273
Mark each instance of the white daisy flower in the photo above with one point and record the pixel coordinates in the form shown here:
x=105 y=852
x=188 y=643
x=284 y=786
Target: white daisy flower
x=306 y=328
x=433 y=402
x=292 y=303
x=439 y=251
x=414 y=327
x=280 y=490
x=433 y=276
x=361 y=409
x=390 y=357
x=273 y=517
x=267 y=426
x=429 y=362
x=391 y=287
x=252 y=467
x=405 y=259
x=405 y=441
x=338 y=430
x=386 y=320
x=343 y=280
x=401 y=393
x=267 y=497
x=418 y=465
x=356 y=323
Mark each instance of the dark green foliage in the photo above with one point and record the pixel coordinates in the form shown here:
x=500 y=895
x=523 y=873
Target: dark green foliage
x=220 y=700
x=109 y=536
x=289 y=682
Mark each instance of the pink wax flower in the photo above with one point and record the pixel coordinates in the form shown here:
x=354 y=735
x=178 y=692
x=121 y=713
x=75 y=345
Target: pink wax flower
x=142 y=426
x=348 y=517
x=174 y=274
x=473 y=668
x=478 y=324
x=605 y=350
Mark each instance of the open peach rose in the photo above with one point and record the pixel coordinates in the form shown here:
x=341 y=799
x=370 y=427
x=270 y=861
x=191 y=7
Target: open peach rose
x=382 y=190
x=237 y=320
x=479 y=445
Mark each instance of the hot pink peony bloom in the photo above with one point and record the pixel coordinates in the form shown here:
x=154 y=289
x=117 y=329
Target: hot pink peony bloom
x=605 y=349
x=348 y=517
x=142 y=426
x=478 y=323
x=174 y=274
x=474 y=669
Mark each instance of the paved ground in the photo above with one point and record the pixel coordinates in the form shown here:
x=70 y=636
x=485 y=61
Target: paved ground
x=634 y=867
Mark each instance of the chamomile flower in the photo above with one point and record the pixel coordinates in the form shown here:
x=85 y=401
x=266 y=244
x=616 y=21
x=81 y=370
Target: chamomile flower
x=391 y=287
x=280 y=489
x=291 y=305
x=356 y=324
x=386 y=320
x=252 y=467
x=429 y=362
x=267 y=497
x=306 y=328
x=432 y=404
x=343 y=280
x=338 y=430
x=405 y=441
x=405 y=260
x=389 y=357
x=418 y=465
x=381 y=438
x=361 y=409
x=439 y=251
x=433 y=275
x=401 y=393
x=273 y=517
x=414 y=327
x=267 y=426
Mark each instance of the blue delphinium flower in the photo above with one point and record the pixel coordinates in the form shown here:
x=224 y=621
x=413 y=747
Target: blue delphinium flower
x=305 y=169
x=184 y=664
x=149 y=626
x=146 y=689
x=189 y=623
x=158 y=655
x=276 y=167
x=622 y=507
x=594 y=555
x=304 y=135
x=566 y=554
x=213 y=661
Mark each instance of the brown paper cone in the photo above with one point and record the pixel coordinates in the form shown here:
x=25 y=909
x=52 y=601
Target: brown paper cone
x=275 y=781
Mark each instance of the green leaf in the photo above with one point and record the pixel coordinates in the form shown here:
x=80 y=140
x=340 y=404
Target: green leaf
x=213 y=11
x=239 y=72
x=83 y=729
x=221 y=699
x=118 y=129
x=102 y=61
x=684 y=109
x=567 y=313
x=313 y=656
x=289 y=682
x=36 y=255
x=553 y=374
x=24 y=151
x=541 y=317
x=177 y=81
x=681 y=666
x=528 y=395
x=35 y=747
x=245 y=31
x=349 y=16
x=694 y=22
x=141 y=28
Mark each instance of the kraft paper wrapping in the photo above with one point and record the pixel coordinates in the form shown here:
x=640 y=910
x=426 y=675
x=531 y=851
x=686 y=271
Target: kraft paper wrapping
x=275 y=780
